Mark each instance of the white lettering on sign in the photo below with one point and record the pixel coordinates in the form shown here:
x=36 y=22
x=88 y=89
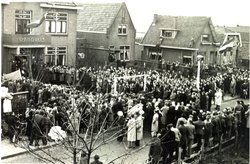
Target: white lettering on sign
x=29 y=39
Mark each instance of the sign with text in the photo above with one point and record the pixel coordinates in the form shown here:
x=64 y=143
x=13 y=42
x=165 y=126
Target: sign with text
x=20 y=39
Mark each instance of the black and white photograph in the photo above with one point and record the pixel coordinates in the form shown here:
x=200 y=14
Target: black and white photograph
x=125 y=82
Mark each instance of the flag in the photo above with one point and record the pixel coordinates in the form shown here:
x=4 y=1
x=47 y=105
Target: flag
x=16 y=75
x=227 y=45
x=37 y=22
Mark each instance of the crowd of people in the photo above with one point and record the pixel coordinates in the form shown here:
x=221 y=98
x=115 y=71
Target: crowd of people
x=171 y=107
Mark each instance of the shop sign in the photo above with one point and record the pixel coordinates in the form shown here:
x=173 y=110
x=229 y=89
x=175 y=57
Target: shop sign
x=26 y=39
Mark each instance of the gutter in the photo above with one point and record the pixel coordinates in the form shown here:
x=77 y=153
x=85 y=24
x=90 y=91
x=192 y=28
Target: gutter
x=171 y=47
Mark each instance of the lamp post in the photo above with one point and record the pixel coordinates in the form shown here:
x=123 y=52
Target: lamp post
x=199 y=57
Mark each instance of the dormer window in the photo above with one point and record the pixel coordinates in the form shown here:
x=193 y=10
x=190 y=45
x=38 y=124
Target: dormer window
x=205 y=38
x=165 y=33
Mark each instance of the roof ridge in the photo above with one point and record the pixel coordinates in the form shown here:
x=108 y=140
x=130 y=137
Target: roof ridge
x=95 y=3
x=183 y=16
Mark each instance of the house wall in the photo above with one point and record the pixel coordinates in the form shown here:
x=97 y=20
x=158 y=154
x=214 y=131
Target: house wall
x=138 y=51
x=208 y=51
x=171 y=55
x=122 y=40
x=67 y=39
x=95 y=48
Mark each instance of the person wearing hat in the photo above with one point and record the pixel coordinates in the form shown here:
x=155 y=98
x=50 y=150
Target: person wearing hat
x=199 y=131
x=208 y=130
x=155 y=121
x=121 y=123
x=139 y=128
x=191 y=133
x=167 y=143
x=131 y=134
x=184 y=137
x=96 y=160
x=155 y=149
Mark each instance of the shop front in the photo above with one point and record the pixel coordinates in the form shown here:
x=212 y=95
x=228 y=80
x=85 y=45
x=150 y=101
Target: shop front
x=24 y=52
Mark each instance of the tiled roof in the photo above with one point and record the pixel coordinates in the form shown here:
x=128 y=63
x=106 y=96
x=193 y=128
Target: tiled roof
x=97 y=17
x=243 y=30
x=189 y=28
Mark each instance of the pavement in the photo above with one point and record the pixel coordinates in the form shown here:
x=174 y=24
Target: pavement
x=9 y=150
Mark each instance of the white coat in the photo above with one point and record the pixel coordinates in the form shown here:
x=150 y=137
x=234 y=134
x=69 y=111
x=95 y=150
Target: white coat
x=139 y=127
x=131 y=136
x=218 y=98
x=155 y=123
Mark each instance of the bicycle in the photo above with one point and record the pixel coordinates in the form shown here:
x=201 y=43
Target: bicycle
x=20 y=130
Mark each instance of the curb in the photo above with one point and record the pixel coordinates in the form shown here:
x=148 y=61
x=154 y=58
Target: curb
x=233 y=98
x=25 y=151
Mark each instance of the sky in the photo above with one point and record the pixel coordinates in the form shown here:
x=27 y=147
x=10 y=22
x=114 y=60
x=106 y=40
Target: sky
x=222 y=12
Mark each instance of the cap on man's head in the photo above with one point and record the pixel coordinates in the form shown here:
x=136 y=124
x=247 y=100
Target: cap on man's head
x=96 y=157
x=170 y=125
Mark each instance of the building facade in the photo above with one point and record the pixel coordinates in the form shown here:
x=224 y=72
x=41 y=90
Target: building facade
x=52 y=42
x=105 y=34
x=180 y=39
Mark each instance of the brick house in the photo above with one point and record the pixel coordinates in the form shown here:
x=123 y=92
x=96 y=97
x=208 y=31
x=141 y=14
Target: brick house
x=238 y=55
x=180 y=38
x=52 y=43
x=103 y=31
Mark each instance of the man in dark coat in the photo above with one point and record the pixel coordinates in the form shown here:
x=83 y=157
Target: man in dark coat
x=121 y=124
x=191 y=132
x=199 y=128
x=171 y=115
x=155 y=149
x=29 y=120
x=183 y=141
x=216 y=127
x=11 y=120
x=208 y=130
x=167 y=142
x=37 y=129
x=203 y=101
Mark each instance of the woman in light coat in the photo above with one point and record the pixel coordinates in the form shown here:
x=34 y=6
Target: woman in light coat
x=131 y=136
x=139 y=128
x=155 y=122
x=218 y=98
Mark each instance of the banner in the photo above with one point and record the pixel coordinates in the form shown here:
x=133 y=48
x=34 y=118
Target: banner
x=13 y=76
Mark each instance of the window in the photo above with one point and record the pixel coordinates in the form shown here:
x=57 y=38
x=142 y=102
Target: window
x=187 y=59
x=56 y=23
x=55 y=55
x=122 y=29
x=205 y=38
x=124 y=53
x=167 y=34
x=23 y=18
x=155 y=54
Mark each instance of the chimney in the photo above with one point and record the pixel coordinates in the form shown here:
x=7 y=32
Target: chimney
x=155 y=19
x=175 y=22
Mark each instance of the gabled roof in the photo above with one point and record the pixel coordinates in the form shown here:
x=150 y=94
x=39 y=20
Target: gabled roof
x=97 y=17
x=188 y=29
x=243 y=30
